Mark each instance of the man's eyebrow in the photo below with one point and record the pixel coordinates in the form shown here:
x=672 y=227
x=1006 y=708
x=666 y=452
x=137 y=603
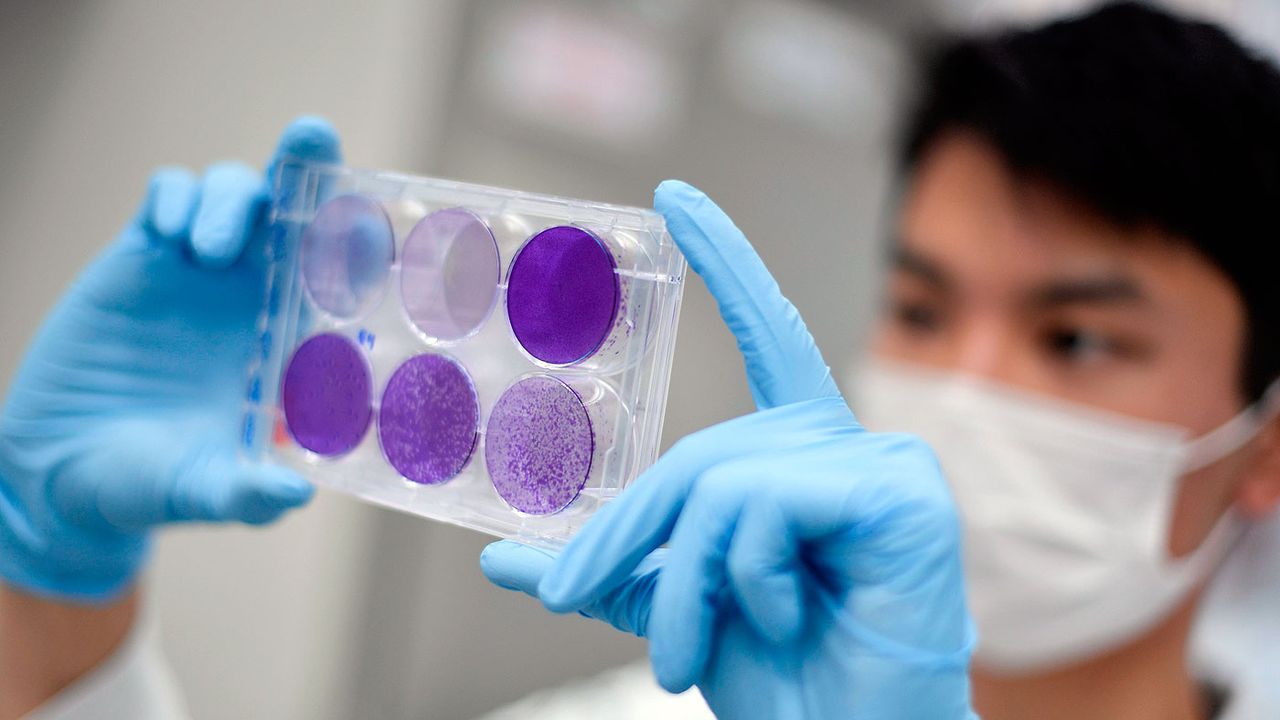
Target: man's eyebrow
x=906 y=260
x=1102 y=289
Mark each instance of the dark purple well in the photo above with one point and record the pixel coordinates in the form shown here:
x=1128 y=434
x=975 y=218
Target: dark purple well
x=538 y=445
x=326 y=395
x=562 y=294
x=429 y=419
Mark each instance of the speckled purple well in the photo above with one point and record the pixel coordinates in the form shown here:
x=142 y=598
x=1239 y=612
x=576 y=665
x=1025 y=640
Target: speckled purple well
x=449 y=274
x=538 y=445
x=326 y=395
x=429 y=419
x=347 y=251
x=562 y=294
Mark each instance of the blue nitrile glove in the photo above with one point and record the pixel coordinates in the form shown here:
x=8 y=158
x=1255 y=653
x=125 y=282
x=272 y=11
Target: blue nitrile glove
x=812 y=568
x=127 y=409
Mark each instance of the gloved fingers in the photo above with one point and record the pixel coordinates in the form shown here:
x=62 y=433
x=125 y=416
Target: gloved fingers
x=783 y=363
x=628 y=528
x=170 y=205
x=231 y=199
x=515 y=566
x=629 y=606
x=764 y=570
x=308 y=138
x=622 y=533
x=617 y=538
x=690 y=592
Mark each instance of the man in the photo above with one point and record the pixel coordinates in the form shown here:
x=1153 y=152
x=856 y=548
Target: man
x=1076 y=294
x=1090 y=206
x=1082 y=323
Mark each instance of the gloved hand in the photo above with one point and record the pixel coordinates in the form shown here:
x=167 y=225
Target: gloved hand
x=127 y=409
x=812 y=568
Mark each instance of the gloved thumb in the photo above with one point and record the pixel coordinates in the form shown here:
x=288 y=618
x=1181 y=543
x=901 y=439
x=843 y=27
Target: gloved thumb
x=248 y=493
x=132 y=479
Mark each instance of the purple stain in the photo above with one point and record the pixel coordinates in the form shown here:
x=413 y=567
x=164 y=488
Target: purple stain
x=326 y=395
x=449 y=274
x=347 y=252
x=429 y=419
x=539 y=445
x=562 y=295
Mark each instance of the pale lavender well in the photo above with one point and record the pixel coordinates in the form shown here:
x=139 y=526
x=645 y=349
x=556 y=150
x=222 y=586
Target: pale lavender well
x=346 y=255
x=429 y=419
x=539 y=445
x=326 y=395
x=449 y=274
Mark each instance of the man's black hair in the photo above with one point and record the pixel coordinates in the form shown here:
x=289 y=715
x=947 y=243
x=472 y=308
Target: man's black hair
x=1151 y=120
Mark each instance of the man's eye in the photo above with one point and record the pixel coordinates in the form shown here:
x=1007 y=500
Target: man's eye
x=1079 y=345
x=917 y=316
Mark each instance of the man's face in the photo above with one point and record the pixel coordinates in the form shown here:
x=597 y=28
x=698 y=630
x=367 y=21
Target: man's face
x=1007 y=279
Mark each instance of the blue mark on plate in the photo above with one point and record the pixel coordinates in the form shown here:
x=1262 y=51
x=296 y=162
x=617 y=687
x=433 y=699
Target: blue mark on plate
x=276 y=250
x=273 y=299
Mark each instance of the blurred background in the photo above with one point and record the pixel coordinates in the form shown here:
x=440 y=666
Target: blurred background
x=785 y=112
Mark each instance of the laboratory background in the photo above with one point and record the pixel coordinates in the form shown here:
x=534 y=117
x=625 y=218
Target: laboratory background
x=784 y=112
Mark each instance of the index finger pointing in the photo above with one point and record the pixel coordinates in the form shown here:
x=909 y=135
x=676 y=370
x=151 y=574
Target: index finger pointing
x=783 y=363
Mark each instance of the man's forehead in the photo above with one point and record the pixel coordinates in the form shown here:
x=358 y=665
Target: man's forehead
x=968 y=219
x=1090 y=279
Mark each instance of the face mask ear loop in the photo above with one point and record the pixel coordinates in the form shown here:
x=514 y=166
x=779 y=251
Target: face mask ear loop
x=1235 y=433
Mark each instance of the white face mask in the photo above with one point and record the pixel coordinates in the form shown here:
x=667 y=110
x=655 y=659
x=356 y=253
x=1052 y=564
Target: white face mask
x=1066 y=509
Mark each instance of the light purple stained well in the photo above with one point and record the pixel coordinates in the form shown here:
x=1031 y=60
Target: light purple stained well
x=429 y=419
x=562 y=295
x=346 y=255
x=449 y=274
x=327 y=395
x=538 y=445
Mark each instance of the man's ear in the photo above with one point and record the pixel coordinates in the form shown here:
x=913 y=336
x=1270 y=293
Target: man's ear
x=1259 y=493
